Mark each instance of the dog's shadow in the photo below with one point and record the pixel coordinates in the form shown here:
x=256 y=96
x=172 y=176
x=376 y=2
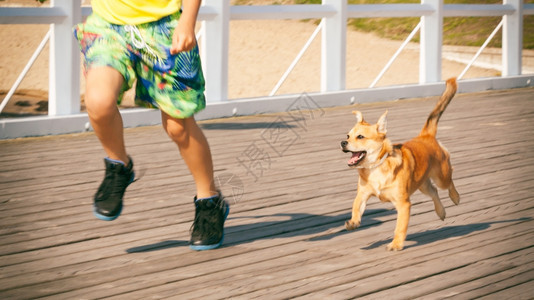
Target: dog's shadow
x=289 y=225
x=434 y=235
x=297 y=224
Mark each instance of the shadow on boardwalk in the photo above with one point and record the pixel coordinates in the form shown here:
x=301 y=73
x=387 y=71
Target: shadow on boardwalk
x=447 y=232
x=292 y=227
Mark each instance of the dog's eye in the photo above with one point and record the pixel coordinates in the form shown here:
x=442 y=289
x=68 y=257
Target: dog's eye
x=360 y=137
x=348 y=136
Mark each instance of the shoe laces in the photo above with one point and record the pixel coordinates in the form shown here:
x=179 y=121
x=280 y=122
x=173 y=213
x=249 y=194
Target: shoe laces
x=115 y=182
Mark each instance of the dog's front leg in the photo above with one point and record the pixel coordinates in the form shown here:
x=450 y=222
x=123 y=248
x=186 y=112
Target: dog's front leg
x=403 y=217
x=358 y=207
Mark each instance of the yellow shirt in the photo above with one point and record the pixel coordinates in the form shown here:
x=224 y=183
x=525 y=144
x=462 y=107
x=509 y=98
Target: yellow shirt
x=134 y=11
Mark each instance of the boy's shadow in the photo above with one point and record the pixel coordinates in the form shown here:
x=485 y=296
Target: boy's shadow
x=434 y=235
x=158 y=246
x=323 y=228
x=291 y=225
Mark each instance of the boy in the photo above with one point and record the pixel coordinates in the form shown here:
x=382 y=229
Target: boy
x=154 y=42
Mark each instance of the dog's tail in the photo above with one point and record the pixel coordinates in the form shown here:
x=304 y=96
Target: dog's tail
x=431 y=125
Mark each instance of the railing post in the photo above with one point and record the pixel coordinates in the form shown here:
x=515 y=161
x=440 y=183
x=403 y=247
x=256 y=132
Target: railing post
x=64 y=80
x=431 y=43
x=334 y=48
x=512 y=39
x=214 y=51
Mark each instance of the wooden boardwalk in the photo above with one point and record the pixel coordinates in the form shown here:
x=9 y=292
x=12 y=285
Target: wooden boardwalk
x=290 y=193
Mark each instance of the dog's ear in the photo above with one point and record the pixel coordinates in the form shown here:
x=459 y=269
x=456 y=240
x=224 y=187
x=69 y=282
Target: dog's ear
x=382 y=123
x=359 y=116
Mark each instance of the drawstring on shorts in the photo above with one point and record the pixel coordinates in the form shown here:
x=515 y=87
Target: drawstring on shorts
x=137 y=39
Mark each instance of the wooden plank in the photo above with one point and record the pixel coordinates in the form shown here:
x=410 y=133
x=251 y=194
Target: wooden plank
x=521 y=291
x=310 y=271
x=93 y=267
x=284 y=237
x=510 y=178
x=478 y=271
x=519 y=277
x=274 y=209
x=387 y=279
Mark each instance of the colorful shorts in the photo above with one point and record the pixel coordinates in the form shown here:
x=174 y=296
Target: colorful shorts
x=173 y=83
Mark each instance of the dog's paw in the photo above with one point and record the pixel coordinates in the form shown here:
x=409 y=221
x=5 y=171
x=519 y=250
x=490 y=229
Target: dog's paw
x=395 y=246
x=455 y=197
x=440 y=211
x=351 y=225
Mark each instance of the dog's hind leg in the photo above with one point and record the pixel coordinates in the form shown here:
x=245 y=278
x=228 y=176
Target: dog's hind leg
x=453 y=194
x=429 y=189
x=443 y=179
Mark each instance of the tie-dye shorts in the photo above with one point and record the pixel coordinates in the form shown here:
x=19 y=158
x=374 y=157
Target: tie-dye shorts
x=172 y=83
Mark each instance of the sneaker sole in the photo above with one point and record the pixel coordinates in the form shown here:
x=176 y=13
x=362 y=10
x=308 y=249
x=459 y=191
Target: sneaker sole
x=214 y=246
x=106 y=218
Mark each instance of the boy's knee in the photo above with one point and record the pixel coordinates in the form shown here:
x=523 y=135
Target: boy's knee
x=100 y=106
x=177 y=133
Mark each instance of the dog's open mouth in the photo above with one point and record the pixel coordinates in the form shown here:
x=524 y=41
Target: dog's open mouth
x=356 y=158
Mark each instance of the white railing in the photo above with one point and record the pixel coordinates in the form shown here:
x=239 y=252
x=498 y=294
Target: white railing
x=64 y=102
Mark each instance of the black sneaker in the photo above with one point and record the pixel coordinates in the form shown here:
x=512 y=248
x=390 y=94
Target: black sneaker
x=107 y=203
x=207 y=231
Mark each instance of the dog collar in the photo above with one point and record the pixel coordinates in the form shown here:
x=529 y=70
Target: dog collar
x=380 y=162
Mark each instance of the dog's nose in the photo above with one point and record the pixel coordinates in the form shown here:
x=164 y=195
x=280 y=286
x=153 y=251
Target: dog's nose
x=344 y=144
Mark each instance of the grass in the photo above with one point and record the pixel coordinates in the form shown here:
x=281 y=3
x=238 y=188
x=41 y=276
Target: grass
x=464 y=31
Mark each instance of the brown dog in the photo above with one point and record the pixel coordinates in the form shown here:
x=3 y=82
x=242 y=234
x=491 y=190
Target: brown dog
x=394 y=172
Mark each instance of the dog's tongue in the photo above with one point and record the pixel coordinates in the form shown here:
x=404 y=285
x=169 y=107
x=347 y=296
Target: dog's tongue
x=356 y=156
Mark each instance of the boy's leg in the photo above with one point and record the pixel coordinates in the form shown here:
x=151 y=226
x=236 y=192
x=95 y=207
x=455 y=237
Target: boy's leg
x=211 y=210
x=195 y=151
x=103 y=85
